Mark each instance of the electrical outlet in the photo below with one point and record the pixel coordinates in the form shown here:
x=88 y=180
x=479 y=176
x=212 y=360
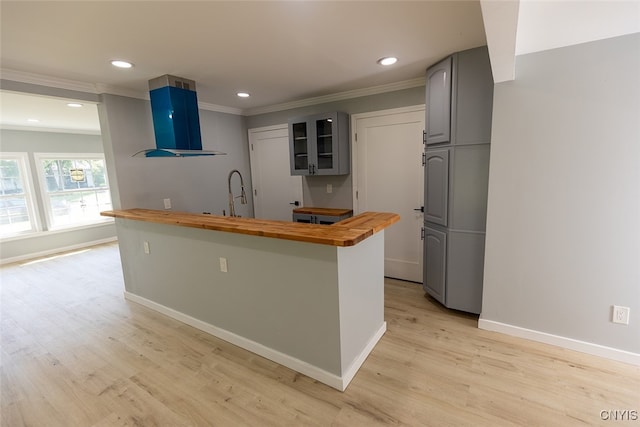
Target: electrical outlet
x=147 y=249
x=329 y=188
x=223 y=265
x=620 y=315
x=167 y=203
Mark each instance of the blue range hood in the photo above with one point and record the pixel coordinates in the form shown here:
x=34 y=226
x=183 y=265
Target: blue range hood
x=176 y=122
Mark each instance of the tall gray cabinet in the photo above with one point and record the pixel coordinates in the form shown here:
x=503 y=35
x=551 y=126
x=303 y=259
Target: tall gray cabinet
x=457 y=140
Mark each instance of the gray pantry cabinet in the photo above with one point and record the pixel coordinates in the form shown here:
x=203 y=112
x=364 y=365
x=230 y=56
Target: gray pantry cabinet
x=319 y=144
x=457 y=146
x=438 y=112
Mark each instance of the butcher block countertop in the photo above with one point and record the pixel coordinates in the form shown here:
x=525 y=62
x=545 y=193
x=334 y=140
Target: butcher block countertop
x=322 y=211
x=348 y=232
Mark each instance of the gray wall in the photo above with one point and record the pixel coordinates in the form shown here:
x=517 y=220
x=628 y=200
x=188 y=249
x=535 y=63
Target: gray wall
x=314 y=188
x=194 y=184
x=260 y=296
x=563 y=227
x=49 y=142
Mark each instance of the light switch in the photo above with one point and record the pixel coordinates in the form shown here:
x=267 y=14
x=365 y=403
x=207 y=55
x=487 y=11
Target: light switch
x=223 y=265
x=329 y=188
x=167 y=203
x=147 y=249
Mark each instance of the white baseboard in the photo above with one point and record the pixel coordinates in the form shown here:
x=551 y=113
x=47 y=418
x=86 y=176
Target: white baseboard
x=34 y=255
x=564 y=342
x=332 y=380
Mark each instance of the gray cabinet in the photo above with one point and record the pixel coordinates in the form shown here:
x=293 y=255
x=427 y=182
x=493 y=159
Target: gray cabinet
x=319 y=144
x=456 y=179
x=435 y=267
x=436 y=202
x=455 y=187
x=459 y=99
x=438 y=113
x=314 y=215
x=317 y=219
x=453 y=267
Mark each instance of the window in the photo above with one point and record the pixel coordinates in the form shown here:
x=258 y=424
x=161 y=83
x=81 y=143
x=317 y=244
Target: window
x=75 y=188
x=16 y=207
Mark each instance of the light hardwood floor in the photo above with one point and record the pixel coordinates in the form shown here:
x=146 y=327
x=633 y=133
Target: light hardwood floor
x=75 y=353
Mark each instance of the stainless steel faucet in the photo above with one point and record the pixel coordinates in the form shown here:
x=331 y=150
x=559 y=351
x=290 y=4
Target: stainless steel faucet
x=242 y=196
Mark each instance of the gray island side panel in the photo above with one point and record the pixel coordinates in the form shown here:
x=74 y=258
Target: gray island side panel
x=278 y=293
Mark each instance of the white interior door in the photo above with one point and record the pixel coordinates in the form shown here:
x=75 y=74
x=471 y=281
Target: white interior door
x=389 y=178
x=274 y=189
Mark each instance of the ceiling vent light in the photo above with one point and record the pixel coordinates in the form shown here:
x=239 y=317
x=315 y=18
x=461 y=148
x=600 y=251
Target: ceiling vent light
x=243 y=94
x=74 y=105
x=121 y=64
x=387 y=60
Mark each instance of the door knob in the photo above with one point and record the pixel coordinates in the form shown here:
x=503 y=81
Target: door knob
x=296 y=203
x=421 y=209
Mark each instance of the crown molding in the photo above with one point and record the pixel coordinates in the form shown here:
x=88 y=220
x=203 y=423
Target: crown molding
x=99 y=88
x=220 y=108
x=42 y=80
x=340 y=96
x=51 y=130
x=116 y=90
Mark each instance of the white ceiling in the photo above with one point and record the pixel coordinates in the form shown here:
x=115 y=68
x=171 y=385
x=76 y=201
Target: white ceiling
x=518 y=27
x=277 y=51
x=53 y=114
x=544 y=25
x=280 y=52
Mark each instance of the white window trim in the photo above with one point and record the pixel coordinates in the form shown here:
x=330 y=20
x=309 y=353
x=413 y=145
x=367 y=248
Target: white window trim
x=46 y=201
x=34 y=218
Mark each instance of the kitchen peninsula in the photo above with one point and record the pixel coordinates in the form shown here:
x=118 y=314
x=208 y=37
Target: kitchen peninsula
x=307 y=296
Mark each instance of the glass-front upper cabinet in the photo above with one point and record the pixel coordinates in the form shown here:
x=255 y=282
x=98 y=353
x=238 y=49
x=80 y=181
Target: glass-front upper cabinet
x=299 y=146
x=319 y=144
x=324 y=143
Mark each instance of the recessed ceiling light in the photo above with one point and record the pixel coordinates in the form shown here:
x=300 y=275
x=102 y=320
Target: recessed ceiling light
x=243 y=94
x=121 y=64
x=74 y=105
x=387 y=60
x=33 y=120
